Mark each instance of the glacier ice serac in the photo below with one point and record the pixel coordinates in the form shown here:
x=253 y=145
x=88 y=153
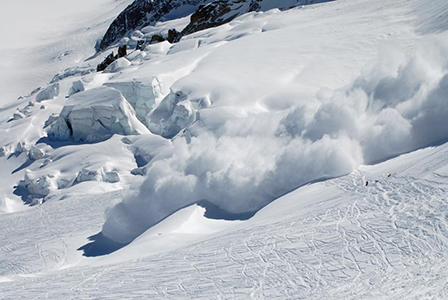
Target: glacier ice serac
x=290 y=149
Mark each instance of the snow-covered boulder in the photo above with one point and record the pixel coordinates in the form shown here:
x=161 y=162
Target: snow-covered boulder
x=35 y=153
x=77 y=86
x=50 y=92
x=94 y=116
x=142 y=97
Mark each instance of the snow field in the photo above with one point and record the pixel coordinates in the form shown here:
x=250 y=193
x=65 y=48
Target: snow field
x=268 y=107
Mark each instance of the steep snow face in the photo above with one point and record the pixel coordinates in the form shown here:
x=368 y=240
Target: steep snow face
x=94 y=116
x=143 y=98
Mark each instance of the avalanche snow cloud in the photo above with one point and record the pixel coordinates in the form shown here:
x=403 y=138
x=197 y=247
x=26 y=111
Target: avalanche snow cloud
x=398 y=104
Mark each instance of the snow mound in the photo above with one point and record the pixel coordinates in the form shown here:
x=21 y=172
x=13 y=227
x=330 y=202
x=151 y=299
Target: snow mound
x=95 y=115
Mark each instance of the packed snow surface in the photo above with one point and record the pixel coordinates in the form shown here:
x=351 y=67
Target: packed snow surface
x=327 y=123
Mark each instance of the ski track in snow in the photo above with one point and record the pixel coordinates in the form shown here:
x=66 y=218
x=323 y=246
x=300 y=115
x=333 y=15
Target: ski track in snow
x=385 y=240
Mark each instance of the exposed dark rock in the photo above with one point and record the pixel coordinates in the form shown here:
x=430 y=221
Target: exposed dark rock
x=122 y=51
x=106 y=62
x=142 y=13
x=140 y=45
x=174 y=35
x=157 y=38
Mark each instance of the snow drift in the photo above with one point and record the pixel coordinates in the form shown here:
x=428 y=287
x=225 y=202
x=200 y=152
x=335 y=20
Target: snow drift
x=397 y=105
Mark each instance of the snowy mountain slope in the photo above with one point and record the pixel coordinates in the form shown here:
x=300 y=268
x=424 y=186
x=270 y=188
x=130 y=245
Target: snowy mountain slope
x=40 y=39
x=141 y=13
x=240 y=115
x=204 y=14
x=337 y=239
x=317 y=138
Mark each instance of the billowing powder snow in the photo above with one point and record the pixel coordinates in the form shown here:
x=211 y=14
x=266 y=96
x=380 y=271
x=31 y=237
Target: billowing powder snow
x=397 y=105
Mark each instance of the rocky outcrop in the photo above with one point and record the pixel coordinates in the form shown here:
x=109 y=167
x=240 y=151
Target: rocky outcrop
x=142 y=13
x=220 y=12
x=206 y=14
x=111 y=58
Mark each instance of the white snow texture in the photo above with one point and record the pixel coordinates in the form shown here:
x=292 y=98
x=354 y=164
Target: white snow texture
x=397 y=105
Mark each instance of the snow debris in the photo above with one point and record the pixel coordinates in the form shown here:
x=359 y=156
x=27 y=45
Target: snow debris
x=89 y=175
x=100 y=175
x=118 y=65
x=74 y=71
x=138 y=34
x=396 y=106
x=172 y=115
x=95 y=115
x=39 y=187
x=36 y=153
x=136 y=57
x=112 y=177
x=46 y=162
x=20 y=147
x=50 y=92
x=77 y=86
x=143 y=98
x=138 y=171
x=18 y=115
x=51 y=119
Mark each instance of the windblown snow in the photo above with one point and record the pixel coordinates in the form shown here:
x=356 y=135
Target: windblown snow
x=294 y=154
